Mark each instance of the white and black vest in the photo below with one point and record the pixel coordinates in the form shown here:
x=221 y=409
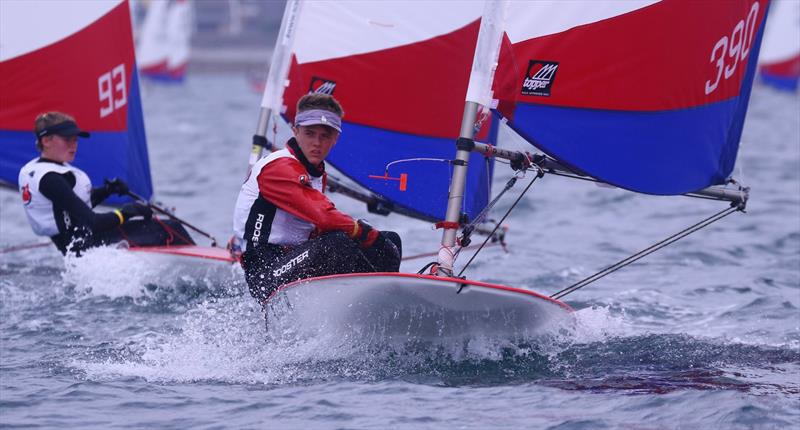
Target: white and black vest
x=39 y=208
x=257 y=221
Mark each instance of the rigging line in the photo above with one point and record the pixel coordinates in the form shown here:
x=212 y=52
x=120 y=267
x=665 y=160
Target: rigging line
x=652 y=248
x=488 y=177
x=23 y=247
x=479 y=218
x=406 y=160
x=539 y=175
x=703 y=197
x=569 y=175
x=431 y=254
x=467 y=230
x=597 y=181
x=173 y=217
x=482 y=215
x=421 y=271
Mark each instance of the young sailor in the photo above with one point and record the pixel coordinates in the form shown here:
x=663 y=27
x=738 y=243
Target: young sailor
x=59 y=197
x=285 y=224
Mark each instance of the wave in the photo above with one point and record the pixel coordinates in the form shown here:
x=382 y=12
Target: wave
x=225 y=341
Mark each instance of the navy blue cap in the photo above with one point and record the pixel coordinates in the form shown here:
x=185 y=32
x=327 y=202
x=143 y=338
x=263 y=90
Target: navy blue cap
x=63 y=129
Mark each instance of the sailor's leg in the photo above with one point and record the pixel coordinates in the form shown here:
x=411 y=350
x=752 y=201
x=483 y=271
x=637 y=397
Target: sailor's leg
x=145 y=233
x=386 y=252
x=257 y=264
x=176 y=234
x=330 y=254
x=395 y=239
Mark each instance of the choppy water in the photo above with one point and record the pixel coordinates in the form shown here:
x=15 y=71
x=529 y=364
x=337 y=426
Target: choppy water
x=705 y=334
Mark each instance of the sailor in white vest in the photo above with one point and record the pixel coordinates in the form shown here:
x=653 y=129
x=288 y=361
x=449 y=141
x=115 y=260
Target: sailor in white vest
x=287 y=227
x=59 y=197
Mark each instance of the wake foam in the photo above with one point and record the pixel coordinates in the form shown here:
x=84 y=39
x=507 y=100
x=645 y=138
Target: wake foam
x=225 y=340
x=117 y=272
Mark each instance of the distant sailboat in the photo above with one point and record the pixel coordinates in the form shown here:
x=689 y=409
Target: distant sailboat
x=779 y=62
x=164 y=43
x=100 y=90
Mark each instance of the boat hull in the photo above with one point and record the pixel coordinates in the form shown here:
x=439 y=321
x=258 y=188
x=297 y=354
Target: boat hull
x=394 y=306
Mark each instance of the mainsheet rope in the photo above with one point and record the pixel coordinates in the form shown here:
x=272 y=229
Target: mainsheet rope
x=24 y=247
x=655 y=247
x=172 y=217
x=172 y=233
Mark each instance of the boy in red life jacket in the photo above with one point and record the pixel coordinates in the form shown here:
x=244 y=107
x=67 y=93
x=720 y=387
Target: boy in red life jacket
x=287 y=227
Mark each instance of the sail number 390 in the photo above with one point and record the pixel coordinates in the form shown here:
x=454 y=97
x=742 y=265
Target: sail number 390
x=730 y=50
x=112 y=91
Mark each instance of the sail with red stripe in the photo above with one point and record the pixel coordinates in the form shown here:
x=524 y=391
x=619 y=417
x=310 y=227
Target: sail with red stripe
x=78 y=58
x=645 y=95
x=779 y=61
x=164 y=42
x=400 y=70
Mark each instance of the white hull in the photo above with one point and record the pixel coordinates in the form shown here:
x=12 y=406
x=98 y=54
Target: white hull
x=393 y=306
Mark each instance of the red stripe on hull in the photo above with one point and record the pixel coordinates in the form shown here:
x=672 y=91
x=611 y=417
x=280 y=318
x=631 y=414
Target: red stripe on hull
x=417 y=276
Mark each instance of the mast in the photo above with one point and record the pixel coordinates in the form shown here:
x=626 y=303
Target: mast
x=479 y=93
x=272 y=102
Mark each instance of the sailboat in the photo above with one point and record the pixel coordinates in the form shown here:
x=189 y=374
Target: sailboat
x=648 y=96
x=779 y=62
x=49 y=69
x=164 y=41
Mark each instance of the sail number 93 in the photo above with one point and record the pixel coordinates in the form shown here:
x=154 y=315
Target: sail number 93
x=729 y=51
x=112 y=91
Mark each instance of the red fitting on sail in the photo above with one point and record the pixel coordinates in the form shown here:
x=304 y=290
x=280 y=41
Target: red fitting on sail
x=403 y=179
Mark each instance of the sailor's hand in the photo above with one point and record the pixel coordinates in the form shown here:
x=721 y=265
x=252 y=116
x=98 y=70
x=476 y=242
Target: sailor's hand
x=235 y=247
x=136 y=209
x=116 y=186
x=366 y=235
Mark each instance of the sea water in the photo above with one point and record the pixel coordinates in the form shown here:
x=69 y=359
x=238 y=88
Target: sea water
x=703 y=334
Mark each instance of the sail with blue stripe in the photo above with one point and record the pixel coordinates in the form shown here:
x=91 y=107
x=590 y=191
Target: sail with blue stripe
x=83 y=66
x=400 y=70
x=779 y=61
x=649 y=96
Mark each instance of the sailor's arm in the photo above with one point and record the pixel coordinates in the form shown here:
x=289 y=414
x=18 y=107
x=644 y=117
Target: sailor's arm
x=109 y=187
x=56 y=188
x=280 y=183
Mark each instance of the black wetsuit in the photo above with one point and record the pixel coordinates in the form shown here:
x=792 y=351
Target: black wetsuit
x=81 y=228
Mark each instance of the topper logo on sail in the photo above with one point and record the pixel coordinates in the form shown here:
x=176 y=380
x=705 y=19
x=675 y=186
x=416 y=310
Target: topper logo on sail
x=539 y=78
x=322 y=86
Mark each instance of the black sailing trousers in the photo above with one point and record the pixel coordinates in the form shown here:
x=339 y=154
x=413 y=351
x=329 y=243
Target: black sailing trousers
x=269 y=266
